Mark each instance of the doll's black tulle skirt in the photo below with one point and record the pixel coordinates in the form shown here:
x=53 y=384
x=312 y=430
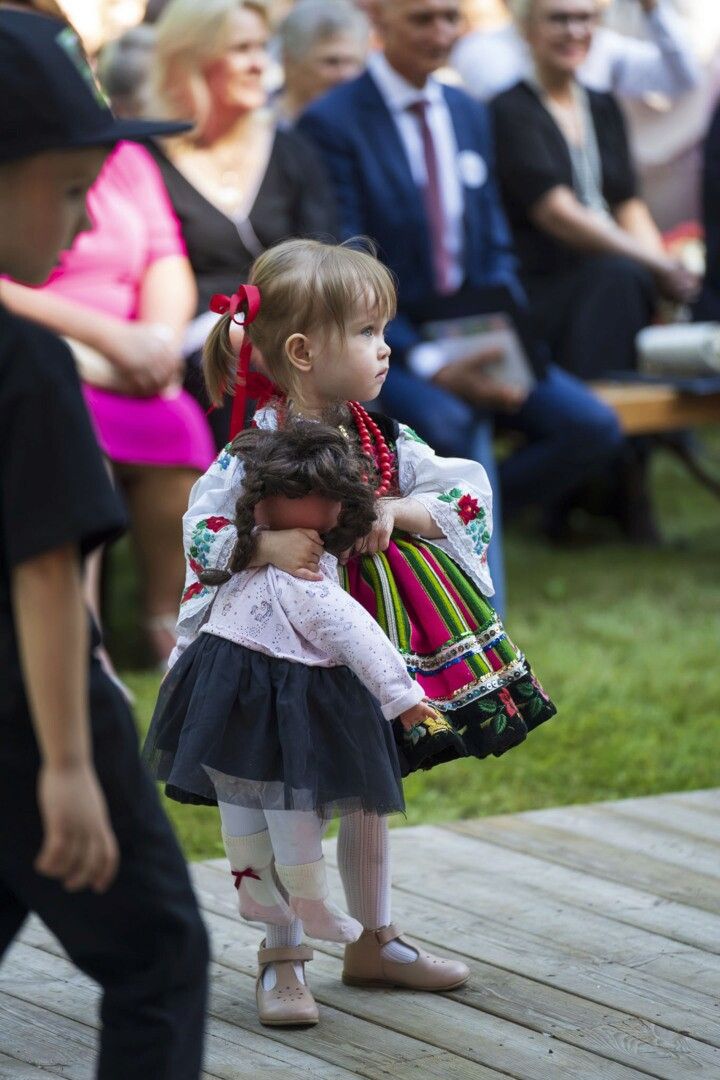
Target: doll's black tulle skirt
x=234 y=725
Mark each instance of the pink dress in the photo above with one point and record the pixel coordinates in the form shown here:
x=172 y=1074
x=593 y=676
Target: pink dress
x=134 y=226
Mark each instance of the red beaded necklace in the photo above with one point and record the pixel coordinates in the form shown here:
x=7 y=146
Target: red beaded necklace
x=369 y=433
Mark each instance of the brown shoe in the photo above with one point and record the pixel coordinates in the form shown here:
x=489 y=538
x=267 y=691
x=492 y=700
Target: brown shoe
x=366 y=966
x=290 y=1002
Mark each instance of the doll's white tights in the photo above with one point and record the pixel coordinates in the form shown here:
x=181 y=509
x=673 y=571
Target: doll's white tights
x=363 y=854
x=293 y=839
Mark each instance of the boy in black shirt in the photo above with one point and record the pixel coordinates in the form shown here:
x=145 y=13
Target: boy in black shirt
x=85 y=844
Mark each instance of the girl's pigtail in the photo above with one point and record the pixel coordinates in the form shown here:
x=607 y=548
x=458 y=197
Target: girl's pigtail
x=219 y=361
x=214 y=577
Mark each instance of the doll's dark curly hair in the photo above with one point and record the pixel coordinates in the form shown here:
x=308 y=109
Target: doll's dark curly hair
x=300 y=459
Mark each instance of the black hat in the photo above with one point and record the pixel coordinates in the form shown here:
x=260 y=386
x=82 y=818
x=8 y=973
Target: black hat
x=50 y=97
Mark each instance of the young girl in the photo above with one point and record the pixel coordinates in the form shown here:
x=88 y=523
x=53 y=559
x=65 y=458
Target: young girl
x=421 y=571
x=288 y=734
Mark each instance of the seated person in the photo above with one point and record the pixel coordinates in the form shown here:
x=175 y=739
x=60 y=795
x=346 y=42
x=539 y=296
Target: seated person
x=490 y=62
x=322 y=43
x=592 y=259
x=708 y=305
x=237 y=183
x=430 y=202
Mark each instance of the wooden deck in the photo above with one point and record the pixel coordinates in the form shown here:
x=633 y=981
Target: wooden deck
x=593 y=933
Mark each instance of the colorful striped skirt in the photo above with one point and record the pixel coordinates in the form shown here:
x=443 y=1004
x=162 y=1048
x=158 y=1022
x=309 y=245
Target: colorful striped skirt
x=455 y=646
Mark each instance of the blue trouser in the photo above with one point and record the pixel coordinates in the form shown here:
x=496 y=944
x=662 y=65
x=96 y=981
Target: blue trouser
x=570 y=434
x=453 y=429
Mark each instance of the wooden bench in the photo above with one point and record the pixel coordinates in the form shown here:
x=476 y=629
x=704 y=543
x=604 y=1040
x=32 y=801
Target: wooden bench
x=646 y=409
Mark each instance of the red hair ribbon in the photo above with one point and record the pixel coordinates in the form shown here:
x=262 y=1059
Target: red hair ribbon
x=247 y=384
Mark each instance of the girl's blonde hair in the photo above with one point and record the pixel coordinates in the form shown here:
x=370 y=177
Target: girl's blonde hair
x=189 y=35
x=305 y=287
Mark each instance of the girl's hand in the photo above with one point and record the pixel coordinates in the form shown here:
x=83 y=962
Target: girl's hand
x=378 y=539
x=296 y=551
x=411 y=717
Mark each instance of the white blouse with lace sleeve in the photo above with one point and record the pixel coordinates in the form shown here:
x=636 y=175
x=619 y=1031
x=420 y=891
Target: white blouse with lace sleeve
x=457 y=495
x=209 y=536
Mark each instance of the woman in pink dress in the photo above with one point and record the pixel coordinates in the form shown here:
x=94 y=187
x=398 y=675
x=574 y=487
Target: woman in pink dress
x=123 y=295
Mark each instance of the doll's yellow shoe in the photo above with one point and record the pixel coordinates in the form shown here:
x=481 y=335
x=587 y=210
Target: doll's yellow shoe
x=366 y=966
x=290 y=1002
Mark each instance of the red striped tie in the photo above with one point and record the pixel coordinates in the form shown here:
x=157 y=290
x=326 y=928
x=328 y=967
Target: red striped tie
x=433 y=202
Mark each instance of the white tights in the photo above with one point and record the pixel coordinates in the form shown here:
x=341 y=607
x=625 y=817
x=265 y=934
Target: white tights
x=363 y=853
x=296 y=835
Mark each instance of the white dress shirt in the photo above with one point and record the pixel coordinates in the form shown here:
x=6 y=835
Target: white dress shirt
x=398 y=94
x=489 y=63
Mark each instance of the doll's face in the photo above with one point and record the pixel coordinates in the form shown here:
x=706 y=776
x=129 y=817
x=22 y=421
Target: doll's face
x=309 y=512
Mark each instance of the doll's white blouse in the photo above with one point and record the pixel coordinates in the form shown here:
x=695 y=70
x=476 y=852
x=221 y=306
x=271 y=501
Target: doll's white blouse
x=314 y=623
x=455 y=492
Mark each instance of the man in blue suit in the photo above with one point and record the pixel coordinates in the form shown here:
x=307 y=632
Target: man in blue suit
x=412 y=164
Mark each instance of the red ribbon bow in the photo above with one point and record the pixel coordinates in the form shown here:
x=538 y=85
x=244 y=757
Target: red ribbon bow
x=240 y=874
x=247 y=384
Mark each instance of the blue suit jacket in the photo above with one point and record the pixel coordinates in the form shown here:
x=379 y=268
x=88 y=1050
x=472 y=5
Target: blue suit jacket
x=377 y=196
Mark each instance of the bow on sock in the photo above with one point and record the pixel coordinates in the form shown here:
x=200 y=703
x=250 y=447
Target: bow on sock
x=245 y=303
x=240 y=874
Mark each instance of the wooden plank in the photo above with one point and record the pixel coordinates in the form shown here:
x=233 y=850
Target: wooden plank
x=677 y=817
x=546 y=1009
x=49 y=980
x=487 y=1040
x=64 y=1047
x=579 y=932
x=585 y=890
x=12 y=1069
x=645 y=408
x=598 y=858
x=344 y=1043
x=707 y=800
x=599 y=822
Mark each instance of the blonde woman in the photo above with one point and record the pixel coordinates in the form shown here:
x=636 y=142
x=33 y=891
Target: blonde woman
x=238 y=185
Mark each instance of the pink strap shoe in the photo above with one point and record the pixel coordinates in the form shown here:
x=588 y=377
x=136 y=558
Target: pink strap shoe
x=366 y=966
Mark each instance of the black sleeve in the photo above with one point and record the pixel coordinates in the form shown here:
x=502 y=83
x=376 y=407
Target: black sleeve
x=54 y=487
x=619 y=178
x=530 y=161
x=315 y=205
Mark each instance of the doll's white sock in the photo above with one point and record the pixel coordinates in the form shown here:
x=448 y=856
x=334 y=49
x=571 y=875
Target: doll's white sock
x=250 y=859
x=250 y=854
x=363 y=853
x=307 y=889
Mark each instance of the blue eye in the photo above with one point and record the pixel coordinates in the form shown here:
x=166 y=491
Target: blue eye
x=369 y=330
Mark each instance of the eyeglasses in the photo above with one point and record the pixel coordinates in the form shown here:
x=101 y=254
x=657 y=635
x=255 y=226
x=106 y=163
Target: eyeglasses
x=562 y=21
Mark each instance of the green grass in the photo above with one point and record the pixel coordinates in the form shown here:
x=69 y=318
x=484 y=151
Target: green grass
x=626 y=642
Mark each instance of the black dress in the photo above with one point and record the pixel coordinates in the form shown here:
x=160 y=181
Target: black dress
x=295 y=199
x=708 y=306
x=588 y=307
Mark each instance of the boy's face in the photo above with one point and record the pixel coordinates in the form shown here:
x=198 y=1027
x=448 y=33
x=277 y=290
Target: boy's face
x=42 y=206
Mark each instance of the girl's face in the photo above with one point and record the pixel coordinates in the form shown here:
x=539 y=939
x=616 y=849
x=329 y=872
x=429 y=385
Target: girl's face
x=560 y=33
x=236 y=79
x=351 y=369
